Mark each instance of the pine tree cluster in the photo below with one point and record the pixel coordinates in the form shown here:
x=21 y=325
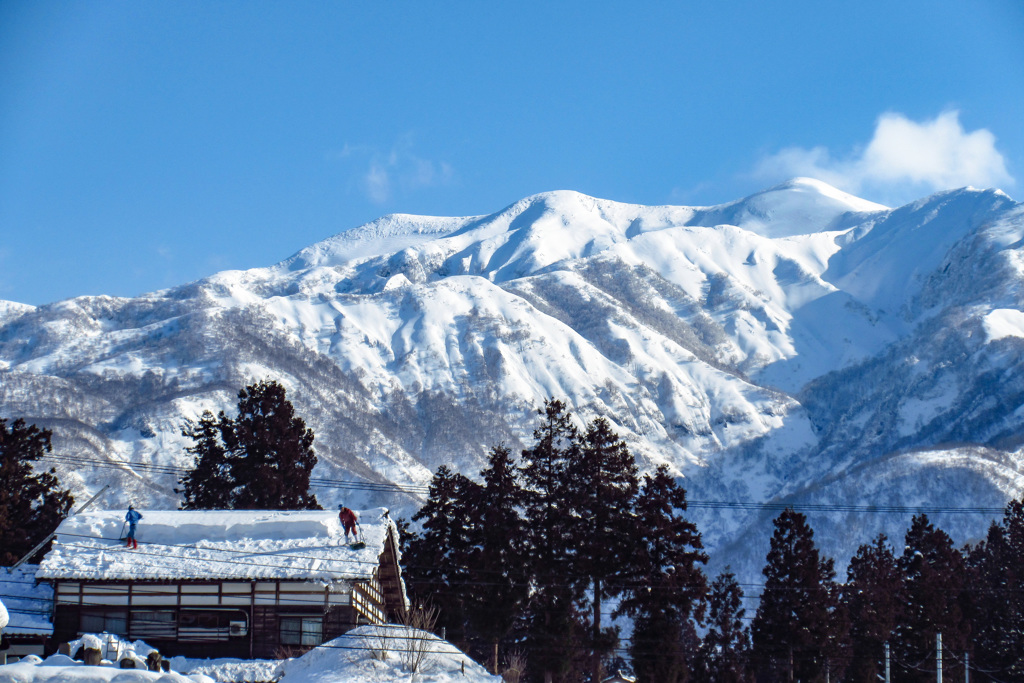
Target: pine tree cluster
x=261 y=459
x=526 y=562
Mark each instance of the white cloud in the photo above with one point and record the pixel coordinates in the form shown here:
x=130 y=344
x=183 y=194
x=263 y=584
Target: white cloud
x=398 y=170
x=377 y=183
x=903 y=159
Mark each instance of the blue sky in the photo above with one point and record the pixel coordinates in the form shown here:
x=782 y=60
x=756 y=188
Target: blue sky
x=144 y=145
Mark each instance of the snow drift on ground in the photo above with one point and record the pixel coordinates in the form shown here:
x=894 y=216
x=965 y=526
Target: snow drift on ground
x=385 y=654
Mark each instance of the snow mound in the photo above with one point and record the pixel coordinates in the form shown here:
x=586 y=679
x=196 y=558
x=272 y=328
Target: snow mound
x=385 y=654
x=3 y=616
x=63 y=669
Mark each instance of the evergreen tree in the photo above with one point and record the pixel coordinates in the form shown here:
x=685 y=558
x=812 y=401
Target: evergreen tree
x=437 y=560
x=497 y=586
x=874 y=600
x=601 y=496
x=726 y=646
x=998 y=570
x=553 y=621
x=996 y=636
x=664 y=581
x=208 y=485
x=260 y=460
x=31 y=505
x=933 y=574
x=273 y=452
x=795 y=629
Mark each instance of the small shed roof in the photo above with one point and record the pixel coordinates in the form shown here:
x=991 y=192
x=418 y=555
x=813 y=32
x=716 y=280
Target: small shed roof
x=216 y=544
x=28 y=604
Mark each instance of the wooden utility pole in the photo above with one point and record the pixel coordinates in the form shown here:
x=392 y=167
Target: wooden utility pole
x=938 y=658
x=886 y=661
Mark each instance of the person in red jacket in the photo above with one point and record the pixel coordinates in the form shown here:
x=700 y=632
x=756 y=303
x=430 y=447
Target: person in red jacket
x=348 y=522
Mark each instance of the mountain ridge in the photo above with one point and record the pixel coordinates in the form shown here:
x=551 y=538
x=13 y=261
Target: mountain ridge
x=759 y=364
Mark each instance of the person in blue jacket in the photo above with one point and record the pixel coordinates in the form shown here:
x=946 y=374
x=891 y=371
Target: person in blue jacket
x=132 y=518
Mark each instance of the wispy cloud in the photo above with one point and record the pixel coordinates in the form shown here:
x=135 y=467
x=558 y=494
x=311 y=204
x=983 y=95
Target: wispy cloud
x=384 y=174
x=904 y=158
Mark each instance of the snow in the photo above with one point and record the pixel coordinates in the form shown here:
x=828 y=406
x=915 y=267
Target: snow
x=1003 y=322
x=384 y=654
x=3 y=616
x=62 y=669
x=28 y=603
x=250 y=544
x=493 y=314
x=369 y=653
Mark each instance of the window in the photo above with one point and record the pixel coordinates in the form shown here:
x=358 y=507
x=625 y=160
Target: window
x=154 y=625
x=207 y=625
x=301 y=631
x=102 y=621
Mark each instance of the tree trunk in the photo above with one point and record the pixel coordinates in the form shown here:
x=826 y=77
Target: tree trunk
x=597 y=630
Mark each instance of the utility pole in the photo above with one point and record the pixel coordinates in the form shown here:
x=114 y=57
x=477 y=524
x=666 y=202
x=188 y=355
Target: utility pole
x=887 y=661
x=938 y=658
x=967 y=667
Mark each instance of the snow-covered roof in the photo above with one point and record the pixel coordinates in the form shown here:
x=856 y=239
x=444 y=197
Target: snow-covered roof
x=216 y=544
x=28 y=604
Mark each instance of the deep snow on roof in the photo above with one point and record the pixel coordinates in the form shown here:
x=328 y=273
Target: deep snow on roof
x=216 y=544
x=28 y=603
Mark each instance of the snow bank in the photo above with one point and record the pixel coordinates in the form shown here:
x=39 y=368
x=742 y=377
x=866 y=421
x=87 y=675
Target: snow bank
x=3 y=616
x=63 y=669
x=249 y=544
x=382 y=653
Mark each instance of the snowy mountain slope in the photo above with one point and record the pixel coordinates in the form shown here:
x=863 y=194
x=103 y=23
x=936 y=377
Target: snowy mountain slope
x=759 y=348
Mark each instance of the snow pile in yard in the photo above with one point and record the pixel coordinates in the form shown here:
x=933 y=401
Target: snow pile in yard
x=63 y=669
x=249 y=544
x=28 y=604
x=385 y=654
x=227 y=670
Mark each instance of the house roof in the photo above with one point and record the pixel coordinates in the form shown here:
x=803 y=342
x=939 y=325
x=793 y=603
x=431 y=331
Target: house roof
x=28 y=603
x=216 y=544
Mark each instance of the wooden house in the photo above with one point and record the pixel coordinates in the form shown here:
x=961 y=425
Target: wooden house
x=238 y=583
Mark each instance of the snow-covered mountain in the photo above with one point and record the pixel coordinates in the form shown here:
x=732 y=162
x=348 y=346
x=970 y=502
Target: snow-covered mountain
x=797 y=345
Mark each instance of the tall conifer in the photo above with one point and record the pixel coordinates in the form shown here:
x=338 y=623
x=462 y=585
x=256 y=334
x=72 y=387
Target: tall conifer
x=794 y=630
x=998 y=582
x=664 y=582
x=874 y=601
x=933 y=574
x=602 y=496
x=31 y=505
x=497 y=577
x=261 y=459
x=554 y=628
x=436 y=561
x=725 y=649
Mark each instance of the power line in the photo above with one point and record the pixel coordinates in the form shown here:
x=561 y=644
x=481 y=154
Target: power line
x=419 y=490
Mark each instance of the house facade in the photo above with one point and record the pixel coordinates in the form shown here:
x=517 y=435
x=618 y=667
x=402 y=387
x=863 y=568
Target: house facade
x=247 y=584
